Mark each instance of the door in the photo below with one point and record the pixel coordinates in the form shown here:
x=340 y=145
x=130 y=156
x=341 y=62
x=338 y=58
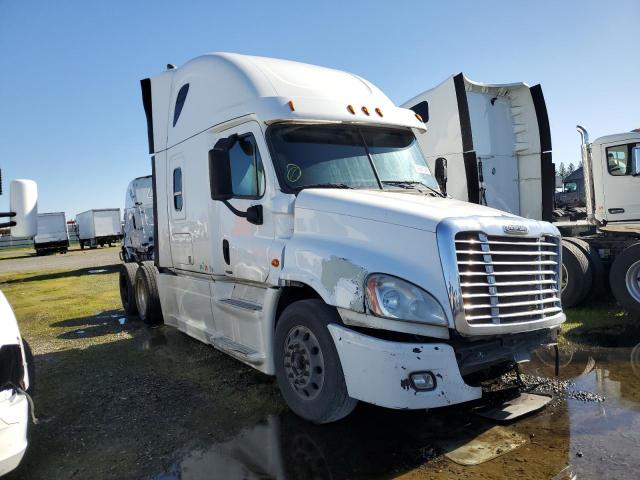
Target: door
x=621 y=190
x=242 y=248
x=180 y=233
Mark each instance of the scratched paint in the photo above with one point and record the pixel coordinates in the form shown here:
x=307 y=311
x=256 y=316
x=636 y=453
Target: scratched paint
x=345 y=281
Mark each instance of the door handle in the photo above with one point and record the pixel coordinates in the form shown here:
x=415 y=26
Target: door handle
x=225 y=251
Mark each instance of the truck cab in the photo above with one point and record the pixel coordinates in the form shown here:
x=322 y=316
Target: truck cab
x=300 y=230
x=616 y=178
x=137 y=242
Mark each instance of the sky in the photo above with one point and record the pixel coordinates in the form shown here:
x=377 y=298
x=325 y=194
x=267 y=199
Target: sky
x=71 y=114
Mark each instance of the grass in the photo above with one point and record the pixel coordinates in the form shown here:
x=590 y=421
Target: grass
x=60 y=299
x=98 y=380
x=601 y=324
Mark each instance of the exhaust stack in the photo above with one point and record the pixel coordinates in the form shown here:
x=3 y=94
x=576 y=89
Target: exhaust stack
x=588 y=175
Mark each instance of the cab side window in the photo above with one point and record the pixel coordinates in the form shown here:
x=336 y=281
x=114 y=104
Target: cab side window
x=247 y=173
x=618 y=160
x=177 y=189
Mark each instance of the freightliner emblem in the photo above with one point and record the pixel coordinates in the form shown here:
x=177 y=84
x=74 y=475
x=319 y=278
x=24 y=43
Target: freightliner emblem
x=515 y=229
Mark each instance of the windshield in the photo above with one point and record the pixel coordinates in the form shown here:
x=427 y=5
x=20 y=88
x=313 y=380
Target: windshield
x=570 y=187
x=348 y=157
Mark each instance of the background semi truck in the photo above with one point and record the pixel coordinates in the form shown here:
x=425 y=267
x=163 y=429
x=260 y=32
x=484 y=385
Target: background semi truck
x=299 y=229
x=137 y=242
x=496 y=142
x=52 y=233
x=99 y=227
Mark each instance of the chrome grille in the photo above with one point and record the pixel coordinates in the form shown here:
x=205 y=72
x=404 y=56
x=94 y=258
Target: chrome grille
x=507 y=280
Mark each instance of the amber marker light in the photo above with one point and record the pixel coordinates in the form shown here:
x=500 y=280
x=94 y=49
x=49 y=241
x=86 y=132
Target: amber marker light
x=291 y=105
x=379 y=112
x=365 y=110
x=275 y=262
x=419 y=117
x=351 y=109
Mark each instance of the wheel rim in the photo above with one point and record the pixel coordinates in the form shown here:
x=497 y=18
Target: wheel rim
x=304 y=362
x=141 y=298
x=564 y=278
x=632 y=280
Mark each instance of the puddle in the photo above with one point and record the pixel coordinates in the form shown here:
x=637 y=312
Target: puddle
x=570 y=438
x=122 y=320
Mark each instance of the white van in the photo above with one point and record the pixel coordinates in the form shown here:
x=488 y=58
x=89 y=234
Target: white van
x=99 y=227
x=299 y=229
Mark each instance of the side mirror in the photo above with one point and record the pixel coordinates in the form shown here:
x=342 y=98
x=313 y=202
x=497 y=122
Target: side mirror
x=441 y=173
x=220 y=169
x=635 y=161
x=23 y=202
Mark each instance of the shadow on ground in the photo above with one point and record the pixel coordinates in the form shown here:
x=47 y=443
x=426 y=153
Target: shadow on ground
x=106 y=269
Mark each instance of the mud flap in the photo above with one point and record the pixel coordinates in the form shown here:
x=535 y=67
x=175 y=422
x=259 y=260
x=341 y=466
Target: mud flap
x=515 y=407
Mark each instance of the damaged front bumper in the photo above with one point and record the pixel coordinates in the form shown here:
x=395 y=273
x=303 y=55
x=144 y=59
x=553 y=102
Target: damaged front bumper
x=14 y=419
x=379 y=371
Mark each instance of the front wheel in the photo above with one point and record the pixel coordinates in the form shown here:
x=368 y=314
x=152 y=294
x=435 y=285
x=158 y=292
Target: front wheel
x=308 y=368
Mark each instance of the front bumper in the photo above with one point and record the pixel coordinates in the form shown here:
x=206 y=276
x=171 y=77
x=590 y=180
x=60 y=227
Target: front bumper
x=377 y=371
x=14 y=419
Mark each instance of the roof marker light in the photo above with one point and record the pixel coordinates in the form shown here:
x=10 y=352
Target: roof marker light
x=365 y=110
x=291 y=105
x=419 y=117
x=379 y=112
x=351 y=109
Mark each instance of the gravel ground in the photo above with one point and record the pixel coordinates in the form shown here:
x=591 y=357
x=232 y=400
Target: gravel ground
x=27 y=261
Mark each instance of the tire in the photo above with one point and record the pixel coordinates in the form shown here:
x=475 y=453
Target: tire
x=31 y=368
x=328 y=401
x=624 y=278
x=576 y=273
x=127 y=282
x=599 y=287
x=147 y=295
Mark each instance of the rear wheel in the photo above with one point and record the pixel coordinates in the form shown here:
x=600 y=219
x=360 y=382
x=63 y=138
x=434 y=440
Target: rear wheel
x=147 y=295
x=624 y=278
x=308 y=368
x=599 y=284
x=127 y=282
x=576 y=276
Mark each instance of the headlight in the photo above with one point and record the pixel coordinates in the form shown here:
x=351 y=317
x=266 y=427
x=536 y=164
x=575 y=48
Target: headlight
x=391 y=297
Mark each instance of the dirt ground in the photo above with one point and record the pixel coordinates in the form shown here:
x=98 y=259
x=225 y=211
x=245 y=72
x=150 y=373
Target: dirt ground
x=116 y=399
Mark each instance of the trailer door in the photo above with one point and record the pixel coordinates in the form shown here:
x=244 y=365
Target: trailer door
x=493 y=142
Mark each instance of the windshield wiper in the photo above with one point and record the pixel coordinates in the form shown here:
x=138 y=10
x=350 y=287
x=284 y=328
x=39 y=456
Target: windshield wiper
x=411 y=185
x=326 y=185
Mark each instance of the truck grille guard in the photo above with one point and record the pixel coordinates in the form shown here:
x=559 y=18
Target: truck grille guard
x=501 y=279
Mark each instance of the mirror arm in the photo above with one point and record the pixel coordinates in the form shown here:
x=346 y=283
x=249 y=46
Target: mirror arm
x=253 y=214
x=7 y=214
x=8 y=224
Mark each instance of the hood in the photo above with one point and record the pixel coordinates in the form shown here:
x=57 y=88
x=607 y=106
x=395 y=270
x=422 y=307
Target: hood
x=403 y=208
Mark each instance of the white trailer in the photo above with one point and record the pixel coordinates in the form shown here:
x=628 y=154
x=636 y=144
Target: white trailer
x=99 y=227
x=137 y=243
x=52 y=233
x=299 y=230
x=496 y=142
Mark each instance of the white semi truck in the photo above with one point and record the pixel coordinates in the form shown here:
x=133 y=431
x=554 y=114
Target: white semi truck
x=17 y=373
x=299 y=230
x=137 y=243
x=494 y=143
x=52 y=233
x=99 y=227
